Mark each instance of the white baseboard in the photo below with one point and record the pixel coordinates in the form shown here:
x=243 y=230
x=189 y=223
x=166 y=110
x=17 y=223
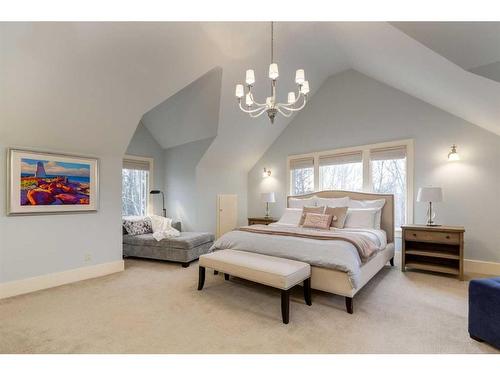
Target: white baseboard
x=482 y=267
x=32 y=284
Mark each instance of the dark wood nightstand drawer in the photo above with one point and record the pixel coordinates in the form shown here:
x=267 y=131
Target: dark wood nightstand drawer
x=434 y=236
x=261 y=220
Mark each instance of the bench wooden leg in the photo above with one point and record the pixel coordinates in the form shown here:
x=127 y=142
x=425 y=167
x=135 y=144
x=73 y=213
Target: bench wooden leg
x=392 y=262
x=348 y=305
x=226 y=276
x=307 y=291
x=201 y=277
x=185 y=265
x=216 y=272
x=285 y=305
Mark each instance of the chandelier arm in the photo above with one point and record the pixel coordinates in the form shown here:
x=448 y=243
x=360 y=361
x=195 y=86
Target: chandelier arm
x=283 y=113
x=250 y=110
x=292 y=109
x=252 y=115
x=253 y=100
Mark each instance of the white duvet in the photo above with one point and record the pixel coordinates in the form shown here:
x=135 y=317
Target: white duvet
x=337 y=254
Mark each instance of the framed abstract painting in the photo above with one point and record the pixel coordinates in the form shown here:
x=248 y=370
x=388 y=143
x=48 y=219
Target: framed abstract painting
x=45 y=183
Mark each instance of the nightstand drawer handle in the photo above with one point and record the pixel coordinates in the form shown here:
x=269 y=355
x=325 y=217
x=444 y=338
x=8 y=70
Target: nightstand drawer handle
x=414 y=235
x=448 y=237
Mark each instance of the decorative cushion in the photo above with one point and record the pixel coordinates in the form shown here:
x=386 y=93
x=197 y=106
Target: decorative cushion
x=308 y=209
x=339 y=214
x=136 y=225
x=317 y=221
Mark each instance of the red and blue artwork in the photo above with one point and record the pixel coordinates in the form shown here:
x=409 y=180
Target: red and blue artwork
x=46 y=183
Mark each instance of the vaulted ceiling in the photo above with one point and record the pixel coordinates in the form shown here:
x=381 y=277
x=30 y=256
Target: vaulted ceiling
x=85 y=86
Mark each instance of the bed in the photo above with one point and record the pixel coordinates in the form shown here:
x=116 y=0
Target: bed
x=335 y=265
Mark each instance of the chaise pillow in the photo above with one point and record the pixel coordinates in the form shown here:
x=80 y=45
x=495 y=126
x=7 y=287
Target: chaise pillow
x=317 y=221
x=135 y=225
x=313 y=210
x=339 y=215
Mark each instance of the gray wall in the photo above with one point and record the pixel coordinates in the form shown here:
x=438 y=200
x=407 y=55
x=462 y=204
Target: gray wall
x=351 y=109
x=180 y=182
x=143 y=144
x=38 y=245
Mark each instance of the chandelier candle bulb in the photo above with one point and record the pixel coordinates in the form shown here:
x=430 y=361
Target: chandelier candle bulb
x=273 y=71
x=250 y=77
x=305 y=88
x=269 y=102
x=291 y=97
x=299 y=76
x=239 y=91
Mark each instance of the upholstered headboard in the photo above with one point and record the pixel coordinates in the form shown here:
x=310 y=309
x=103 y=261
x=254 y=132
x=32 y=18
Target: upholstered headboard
x=387 y=219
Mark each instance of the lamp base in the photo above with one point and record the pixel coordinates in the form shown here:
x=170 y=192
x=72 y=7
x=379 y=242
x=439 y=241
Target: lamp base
x=433 y=225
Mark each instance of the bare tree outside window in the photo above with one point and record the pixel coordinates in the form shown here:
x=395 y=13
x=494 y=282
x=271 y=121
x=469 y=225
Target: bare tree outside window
x=347 y=176
x=302 y=180
x=134 y=192
x=389 y=177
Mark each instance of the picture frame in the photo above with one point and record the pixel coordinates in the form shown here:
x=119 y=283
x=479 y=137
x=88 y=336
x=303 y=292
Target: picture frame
x=41 y=182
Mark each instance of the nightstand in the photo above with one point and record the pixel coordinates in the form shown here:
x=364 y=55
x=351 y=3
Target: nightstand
x=261 y=220
x=437 y=249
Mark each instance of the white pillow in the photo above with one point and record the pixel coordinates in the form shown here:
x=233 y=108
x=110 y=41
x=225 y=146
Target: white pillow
x=376 y=204
x=361 y=218
x=332 y=202
x=291 y=216
x=300 y=202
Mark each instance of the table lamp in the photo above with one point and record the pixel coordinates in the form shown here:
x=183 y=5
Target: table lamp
x=430 y=194
x=267 y=198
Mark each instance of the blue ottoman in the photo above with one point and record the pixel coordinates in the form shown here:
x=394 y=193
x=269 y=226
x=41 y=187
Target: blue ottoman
x=484 y=310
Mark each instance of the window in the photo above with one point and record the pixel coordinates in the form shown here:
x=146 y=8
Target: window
x=135 y=187
x=385 y=168
x=341 y=172
x=388 y=171
x=302 y=176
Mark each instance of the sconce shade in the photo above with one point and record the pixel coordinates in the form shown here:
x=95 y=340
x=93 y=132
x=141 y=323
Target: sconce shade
x=430 y=194
x=453 y=154
x=267 y=197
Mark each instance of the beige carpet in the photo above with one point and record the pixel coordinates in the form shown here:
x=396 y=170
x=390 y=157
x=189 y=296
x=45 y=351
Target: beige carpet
x=154 y=307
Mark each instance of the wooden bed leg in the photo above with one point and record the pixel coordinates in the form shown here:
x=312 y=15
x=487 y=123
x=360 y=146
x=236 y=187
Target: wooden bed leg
x=201 y=277
x=392 y=262
x=348 y=304
x=185 y=265
x=226 y=276
x=307 y=291
x=285 y=305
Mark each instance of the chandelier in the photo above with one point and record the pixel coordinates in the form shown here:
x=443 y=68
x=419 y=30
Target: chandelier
x=295 y=102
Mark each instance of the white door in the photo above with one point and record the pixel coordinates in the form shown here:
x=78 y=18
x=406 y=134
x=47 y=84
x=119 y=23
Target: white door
x=227 y=213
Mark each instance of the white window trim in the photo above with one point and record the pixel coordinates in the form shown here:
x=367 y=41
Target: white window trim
x=365 y=149
x=149 y=205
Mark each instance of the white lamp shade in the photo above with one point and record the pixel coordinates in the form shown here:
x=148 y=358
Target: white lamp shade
x=430 y=194
x=291 y=97
x=305 y=88
x=239 y=92
x=273 y=71
x=250 y=77
x=299 y=76
x=267 y=197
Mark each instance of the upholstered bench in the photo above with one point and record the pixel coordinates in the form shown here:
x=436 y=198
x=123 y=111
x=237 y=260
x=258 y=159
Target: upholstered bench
x=484 y=310
x=276 y=272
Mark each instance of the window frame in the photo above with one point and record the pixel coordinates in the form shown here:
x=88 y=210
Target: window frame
x=367 y=173
x=150 y=182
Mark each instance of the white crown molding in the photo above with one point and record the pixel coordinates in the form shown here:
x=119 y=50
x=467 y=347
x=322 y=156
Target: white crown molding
x=32 y=284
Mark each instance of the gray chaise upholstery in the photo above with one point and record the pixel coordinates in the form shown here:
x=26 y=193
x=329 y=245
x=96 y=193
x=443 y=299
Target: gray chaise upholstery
x=184 y=249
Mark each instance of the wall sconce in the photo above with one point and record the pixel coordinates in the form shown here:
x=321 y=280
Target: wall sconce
x=266 y=173
x=453 y=154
